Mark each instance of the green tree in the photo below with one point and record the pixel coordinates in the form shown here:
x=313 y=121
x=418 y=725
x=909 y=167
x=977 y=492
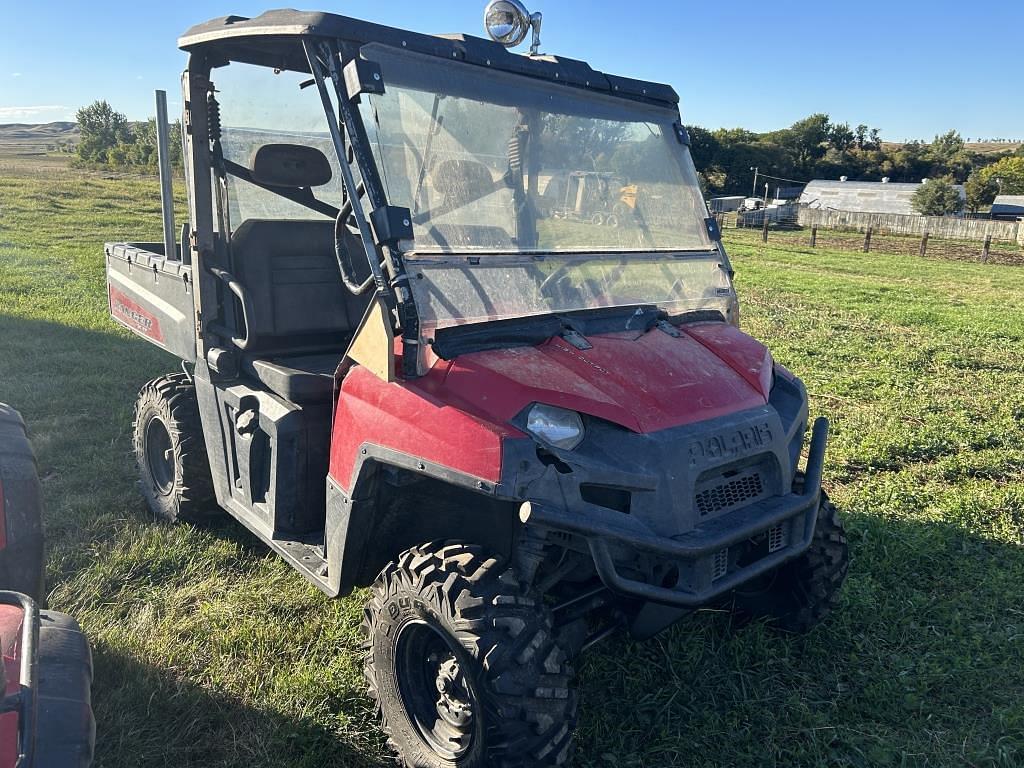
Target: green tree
x=805 y=141
x=980 y=190
x=936 y=197
x=1007 y=174
x=948 y=156
x=102 y=128
x=841 y=137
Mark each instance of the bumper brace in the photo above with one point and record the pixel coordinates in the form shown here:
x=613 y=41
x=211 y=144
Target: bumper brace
x=713 y=536
x=24 y=701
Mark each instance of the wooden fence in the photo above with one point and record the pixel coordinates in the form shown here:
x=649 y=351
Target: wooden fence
x=946 y=227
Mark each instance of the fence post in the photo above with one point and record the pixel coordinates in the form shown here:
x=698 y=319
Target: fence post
x=764 y=229
x=924 y=243
x=867 y=241
x=814 y=236
x=985 y=248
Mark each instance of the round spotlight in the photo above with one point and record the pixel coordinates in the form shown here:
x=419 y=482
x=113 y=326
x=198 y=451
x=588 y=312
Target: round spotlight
x=507 y=22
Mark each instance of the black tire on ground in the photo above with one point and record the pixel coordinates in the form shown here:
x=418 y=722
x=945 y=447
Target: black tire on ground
x=173 y=467
x=462 y=663
x=800 y=594
x=66 y=729
x=21 y=540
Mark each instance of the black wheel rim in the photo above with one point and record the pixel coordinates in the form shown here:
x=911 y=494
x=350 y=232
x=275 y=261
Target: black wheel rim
x=438 y=696
x=159 y=456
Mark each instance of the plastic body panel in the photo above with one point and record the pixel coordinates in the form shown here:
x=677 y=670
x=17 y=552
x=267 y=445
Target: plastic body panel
x=268 y=457
x=417 y=418
x=152 y=296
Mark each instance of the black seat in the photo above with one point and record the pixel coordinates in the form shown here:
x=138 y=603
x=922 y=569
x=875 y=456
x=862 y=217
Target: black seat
x=305 y=379
x=302 y=317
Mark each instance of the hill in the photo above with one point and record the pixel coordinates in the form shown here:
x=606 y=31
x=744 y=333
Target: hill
x=981 y=147
x=25 y=138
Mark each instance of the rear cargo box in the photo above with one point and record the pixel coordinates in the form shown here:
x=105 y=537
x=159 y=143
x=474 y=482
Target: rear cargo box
x=152 y=296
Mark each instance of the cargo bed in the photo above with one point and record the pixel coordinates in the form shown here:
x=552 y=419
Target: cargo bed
x=152 y=295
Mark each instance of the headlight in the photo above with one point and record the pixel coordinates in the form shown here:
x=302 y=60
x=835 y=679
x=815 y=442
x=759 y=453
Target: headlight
x=555 y=426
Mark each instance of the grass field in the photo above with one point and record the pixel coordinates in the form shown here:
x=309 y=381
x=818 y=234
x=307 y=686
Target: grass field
x=210 y=652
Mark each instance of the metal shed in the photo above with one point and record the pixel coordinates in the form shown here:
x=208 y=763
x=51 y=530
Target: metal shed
x=863 y=196
x=1008 y=207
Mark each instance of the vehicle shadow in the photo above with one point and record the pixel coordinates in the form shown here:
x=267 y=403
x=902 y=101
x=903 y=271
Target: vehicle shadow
x=922 y=657
x=151 y=716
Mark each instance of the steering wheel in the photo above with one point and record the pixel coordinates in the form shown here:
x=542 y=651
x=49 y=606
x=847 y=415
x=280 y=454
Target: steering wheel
x=347 y=239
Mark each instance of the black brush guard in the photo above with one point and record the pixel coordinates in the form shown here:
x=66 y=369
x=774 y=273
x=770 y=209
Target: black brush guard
x=704 y=541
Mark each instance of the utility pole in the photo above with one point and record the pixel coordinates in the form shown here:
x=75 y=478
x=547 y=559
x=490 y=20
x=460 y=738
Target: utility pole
x=753 y=192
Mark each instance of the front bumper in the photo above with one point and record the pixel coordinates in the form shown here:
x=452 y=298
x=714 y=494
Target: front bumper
x=693 y=554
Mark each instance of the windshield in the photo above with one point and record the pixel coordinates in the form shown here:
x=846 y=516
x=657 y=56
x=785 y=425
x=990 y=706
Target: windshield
x=492 y=162
x=532 y=198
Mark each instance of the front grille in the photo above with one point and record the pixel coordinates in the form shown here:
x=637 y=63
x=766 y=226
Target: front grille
x=777 y=537
x=730 y=493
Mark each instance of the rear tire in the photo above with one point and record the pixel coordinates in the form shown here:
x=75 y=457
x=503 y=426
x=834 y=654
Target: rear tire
x=174 y=470
x=21 y=518
x=461 y=661
x=66 y=728
x=801 y=593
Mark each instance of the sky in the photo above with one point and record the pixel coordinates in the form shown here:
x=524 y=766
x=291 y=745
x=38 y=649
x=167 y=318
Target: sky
x=912 y=68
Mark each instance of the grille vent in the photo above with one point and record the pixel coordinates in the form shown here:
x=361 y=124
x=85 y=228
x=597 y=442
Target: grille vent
x=777 y=538
x=729 y=494
x=720 y=564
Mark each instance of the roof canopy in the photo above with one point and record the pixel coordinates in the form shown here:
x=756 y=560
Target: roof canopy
x=273 y=39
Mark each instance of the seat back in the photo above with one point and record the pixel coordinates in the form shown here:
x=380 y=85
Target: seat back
x=289 y=270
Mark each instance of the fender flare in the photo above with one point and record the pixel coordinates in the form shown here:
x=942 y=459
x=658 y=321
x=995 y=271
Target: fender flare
x=355 y=518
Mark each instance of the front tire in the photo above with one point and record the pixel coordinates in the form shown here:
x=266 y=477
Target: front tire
x=800 y=594
x=174 y=471
x=462 y=663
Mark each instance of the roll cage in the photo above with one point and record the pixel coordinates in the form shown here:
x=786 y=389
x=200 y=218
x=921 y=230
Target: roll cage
x=327 y=46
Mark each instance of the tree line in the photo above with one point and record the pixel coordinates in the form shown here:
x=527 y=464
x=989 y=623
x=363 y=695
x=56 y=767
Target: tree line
x=817 y=148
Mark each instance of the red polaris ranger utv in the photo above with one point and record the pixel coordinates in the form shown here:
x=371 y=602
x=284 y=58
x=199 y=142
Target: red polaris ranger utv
x=404 y=370
x=45 y=665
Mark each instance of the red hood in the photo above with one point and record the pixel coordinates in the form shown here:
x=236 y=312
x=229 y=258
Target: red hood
x=645 y=382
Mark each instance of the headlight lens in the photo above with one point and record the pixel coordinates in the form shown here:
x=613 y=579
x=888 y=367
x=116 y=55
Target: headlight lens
x=555 y=426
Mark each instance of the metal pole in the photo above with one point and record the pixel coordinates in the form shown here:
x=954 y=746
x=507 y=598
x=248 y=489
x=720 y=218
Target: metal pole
x=166 y=190
x=753 y=191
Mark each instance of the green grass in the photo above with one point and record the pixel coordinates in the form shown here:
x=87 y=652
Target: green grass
x=210 y=651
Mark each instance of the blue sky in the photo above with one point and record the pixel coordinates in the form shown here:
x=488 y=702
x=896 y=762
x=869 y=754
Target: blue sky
x=912 y=68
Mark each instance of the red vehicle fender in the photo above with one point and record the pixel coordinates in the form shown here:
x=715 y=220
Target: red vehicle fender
x=410 y=418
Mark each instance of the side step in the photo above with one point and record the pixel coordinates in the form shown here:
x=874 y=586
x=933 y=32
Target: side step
x=306 y=555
